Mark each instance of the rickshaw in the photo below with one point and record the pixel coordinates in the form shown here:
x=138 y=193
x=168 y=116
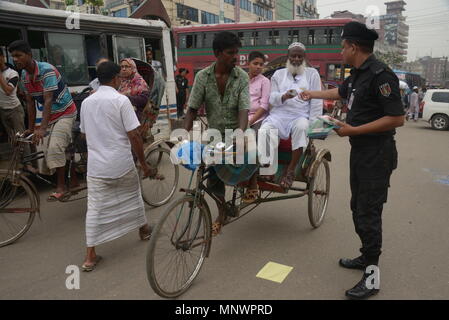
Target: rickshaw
x=182 y=239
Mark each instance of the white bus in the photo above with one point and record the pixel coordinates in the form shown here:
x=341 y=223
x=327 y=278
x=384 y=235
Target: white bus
x=73 y=42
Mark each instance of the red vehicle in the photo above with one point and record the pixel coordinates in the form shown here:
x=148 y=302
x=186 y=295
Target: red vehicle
x=322 y=38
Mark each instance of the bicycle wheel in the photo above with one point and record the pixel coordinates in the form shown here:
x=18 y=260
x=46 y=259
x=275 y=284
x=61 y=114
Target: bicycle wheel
x=319 y=187
x=178 y=245
x=159 y=189
x=17 y=213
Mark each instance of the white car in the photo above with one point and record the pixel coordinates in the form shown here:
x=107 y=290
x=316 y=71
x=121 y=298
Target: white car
x=436 y=108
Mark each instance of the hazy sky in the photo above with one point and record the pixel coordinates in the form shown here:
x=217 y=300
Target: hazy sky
x=428 y=21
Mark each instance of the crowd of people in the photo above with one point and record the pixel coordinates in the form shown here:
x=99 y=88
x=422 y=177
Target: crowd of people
x=233 y=99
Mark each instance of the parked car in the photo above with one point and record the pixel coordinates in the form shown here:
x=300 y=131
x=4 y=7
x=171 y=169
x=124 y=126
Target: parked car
x=436 y=108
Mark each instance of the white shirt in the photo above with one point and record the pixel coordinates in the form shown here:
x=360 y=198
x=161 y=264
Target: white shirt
x=11 y=101
x=106 y=118
x=281 y=114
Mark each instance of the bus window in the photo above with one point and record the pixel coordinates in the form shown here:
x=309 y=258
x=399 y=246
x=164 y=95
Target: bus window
x=298 y=35
x=254 y=38
x=128 y=47
x=93 y=52
x=321 y=36
x=182 y=41
x=245 y=38
x=190 y=41
x=274 y=35
x=335 y=38
x=209 y=39
x=67 y=53
x=36 y=39
x=284 y=37
x=311 y=37
x=265 y=38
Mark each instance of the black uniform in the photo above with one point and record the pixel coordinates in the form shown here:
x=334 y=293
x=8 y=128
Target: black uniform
x=182 y=84
x=372 y=91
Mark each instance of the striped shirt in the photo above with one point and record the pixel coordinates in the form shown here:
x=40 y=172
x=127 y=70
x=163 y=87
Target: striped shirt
x=47 y=78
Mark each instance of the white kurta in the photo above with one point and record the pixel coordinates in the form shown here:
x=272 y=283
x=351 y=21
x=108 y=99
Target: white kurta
x=286 y=116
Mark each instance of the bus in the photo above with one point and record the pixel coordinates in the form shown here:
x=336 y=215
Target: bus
x=411 y=78
x=321 y=37
x=73 y=46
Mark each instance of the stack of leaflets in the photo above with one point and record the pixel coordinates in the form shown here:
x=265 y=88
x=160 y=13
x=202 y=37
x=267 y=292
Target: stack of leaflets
x=321 y=127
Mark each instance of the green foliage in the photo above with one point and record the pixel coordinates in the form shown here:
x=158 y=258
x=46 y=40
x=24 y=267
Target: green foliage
x=392 y=59
x=95 y=3
x=69 y=2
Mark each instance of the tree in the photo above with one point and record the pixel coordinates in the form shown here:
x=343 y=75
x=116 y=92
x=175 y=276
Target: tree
x=96 y=4
x=390 y=58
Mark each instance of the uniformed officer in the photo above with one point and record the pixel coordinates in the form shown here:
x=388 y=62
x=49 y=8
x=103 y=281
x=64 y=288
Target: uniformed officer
x=375 y=110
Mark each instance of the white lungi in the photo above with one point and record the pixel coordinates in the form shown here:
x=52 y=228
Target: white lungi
x=297 y=129
x=114 y=208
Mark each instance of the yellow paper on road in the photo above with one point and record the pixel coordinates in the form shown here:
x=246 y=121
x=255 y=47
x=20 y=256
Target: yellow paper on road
x=274 y=271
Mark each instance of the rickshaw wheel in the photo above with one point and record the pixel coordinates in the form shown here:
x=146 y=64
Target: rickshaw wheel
x=319 y=187
x=178 y=246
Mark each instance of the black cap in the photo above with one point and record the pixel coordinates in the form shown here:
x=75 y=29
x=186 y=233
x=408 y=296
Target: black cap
x=358 y=31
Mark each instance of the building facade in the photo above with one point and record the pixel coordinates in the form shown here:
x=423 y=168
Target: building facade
x=296 y=9
x=393 y=27
x=189 y=12
x=435 y=70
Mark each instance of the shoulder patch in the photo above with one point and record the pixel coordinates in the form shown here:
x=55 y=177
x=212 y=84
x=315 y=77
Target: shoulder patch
x=385 y=89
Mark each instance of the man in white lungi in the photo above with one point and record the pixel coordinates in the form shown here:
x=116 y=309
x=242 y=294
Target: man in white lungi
x=114 y=201
x=290 y=115
x=413 y=111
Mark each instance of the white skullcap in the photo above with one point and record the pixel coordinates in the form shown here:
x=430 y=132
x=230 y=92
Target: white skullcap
x=297 y=45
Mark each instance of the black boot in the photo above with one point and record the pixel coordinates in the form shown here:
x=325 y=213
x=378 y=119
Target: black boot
x=360 y=290
x=356 y=263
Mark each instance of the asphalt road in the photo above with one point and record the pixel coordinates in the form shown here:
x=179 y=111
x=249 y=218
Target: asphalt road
x=414 y=263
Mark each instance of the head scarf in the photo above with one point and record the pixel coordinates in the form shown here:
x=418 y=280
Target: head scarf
x=134 y=84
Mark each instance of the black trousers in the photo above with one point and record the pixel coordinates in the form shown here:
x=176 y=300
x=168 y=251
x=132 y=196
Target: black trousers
x=180 y=102
x=371 y=164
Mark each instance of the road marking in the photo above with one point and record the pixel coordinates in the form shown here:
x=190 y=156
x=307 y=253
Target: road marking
x=274 y=272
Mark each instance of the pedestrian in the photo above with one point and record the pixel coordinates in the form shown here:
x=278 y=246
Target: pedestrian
x=12 y=114
x=375 y=110
x=182 y=91
x=289 y=114
x=42 y=83
x=224 y=90
x=413 y=111
x=114 y=200
x=157 y=65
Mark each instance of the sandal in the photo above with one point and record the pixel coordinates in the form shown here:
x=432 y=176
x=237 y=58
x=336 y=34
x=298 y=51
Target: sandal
x=287 y=180
x=145 y=235
x=251 y=195
x=90 y=267
x=216 y=228
x=58 y=196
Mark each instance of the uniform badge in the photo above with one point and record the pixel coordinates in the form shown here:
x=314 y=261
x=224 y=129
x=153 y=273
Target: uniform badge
x=385 y=89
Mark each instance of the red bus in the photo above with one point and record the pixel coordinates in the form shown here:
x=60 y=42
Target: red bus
x=321 y=37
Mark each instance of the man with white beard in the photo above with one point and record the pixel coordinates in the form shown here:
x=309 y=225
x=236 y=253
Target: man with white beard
x=290 y=115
